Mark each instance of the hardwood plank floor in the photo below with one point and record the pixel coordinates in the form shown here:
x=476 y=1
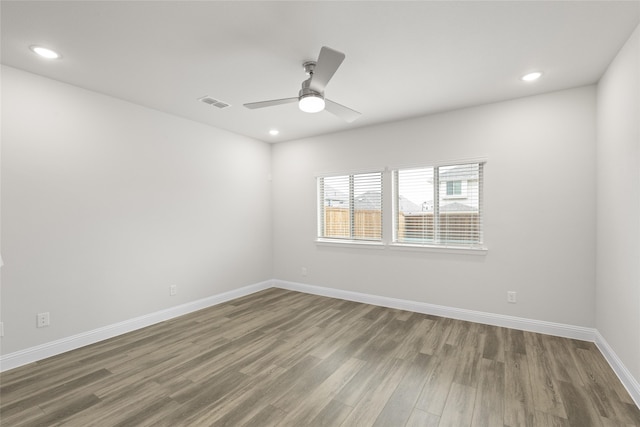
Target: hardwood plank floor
x=283 y=358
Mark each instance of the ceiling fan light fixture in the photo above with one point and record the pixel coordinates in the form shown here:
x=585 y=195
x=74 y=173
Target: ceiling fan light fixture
x=311 y=103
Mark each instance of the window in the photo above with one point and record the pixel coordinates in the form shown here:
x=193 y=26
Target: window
x=425 y=213
x=433 y=207
x=454 y=188
x=350 y=207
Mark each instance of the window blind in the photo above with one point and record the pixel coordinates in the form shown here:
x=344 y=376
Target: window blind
x=350 y=206
x=439 y=206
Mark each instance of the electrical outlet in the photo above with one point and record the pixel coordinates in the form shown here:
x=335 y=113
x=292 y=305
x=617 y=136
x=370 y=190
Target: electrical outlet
x=511 y=297
x=303 y=271
x=42 y=319
x=173 y=289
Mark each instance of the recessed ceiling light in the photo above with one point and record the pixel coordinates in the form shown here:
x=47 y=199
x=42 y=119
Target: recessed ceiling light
x=45 y=52
x=531 y=76
x=274 y=132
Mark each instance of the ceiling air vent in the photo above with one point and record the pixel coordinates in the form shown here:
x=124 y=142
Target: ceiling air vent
x=214 y=102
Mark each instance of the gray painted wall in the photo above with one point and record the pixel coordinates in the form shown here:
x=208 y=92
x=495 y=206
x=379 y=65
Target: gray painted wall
x=618 y=208
x=105 y=204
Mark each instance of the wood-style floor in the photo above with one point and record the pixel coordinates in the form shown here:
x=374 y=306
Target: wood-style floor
x=285 y=358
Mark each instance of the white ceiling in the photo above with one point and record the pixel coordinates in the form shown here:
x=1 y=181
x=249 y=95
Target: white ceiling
x=403 y=59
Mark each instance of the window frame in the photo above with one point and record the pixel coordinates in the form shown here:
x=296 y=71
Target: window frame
x=437 y=246
x=351 y=240
x=388 y=211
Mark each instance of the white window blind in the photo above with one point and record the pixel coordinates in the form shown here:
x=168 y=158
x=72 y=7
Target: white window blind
x=350 y=207
x=439 y=206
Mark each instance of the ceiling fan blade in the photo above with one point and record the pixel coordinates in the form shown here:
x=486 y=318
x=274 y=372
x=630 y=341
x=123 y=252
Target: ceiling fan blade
x=345 y=113
x=263 y=104
x=328 y=62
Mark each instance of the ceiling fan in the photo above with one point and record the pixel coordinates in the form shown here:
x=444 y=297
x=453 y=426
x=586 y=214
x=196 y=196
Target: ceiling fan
x=311 y=97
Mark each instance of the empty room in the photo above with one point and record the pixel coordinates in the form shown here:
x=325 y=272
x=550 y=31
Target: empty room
x=320 y=213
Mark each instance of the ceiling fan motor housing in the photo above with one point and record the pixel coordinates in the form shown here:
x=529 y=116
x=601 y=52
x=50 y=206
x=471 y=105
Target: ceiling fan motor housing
x=309 y=66
x=305 y=91
x=309 y=100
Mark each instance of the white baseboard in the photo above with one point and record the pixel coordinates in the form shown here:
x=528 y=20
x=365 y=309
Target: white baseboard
x=33 y=354
x=540 y=326
x=629 y=382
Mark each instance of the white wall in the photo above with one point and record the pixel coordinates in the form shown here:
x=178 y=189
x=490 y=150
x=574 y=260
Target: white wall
x=618 y=206
x=539 y=204
x=105 y=204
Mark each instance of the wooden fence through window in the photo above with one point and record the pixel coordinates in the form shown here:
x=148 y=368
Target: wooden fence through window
x=367 y=223
x=454 y=226
x=462 y=227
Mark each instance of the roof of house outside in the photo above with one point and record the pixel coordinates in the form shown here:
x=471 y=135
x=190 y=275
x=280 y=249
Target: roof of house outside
x=459 y=173
x=450 y=207
x=372 y=200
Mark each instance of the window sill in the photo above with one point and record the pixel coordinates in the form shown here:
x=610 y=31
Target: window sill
x=350 y=243
x=402 y=246
x=441 y=249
